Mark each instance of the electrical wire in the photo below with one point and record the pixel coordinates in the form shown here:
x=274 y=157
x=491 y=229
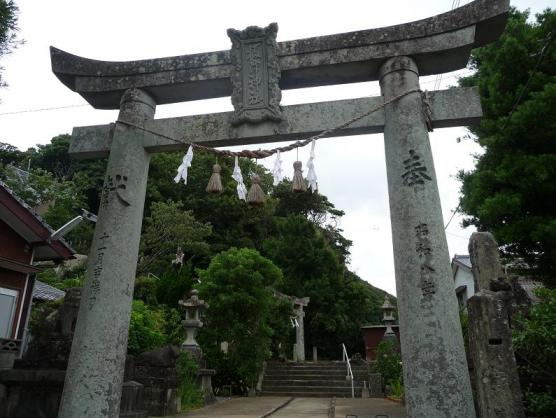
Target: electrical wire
x=44 y=109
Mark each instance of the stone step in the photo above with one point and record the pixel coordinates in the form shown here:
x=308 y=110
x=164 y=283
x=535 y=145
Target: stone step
x=312 y=375
x=320 y=383
x=324 y=379
x=301 y=394
x=314 y=365
x=313 y=370
x=298 y=369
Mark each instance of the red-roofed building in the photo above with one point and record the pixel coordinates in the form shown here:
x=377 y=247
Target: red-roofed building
x=24 y=239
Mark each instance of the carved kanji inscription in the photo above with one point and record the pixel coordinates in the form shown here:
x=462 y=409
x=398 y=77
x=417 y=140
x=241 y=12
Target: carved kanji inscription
x=415 y=170
x=256 y=95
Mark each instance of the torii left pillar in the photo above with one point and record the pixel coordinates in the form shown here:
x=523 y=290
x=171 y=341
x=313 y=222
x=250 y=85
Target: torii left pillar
x=94 y=377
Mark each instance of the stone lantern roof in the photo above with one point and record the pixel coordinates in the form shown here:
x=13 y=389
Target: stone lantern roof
x=194 y=301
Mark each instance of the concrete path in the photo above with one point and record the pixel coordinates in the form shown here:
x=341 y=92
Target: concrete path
x=298 y=407
x=369 y=408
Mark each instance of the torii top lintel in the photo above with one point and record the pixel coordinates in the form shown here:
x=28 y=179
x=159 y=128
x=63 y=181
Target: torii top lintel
x=437 y=44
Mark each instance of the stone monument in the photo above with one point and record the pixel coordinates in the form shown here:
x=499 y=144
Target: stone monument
x=497 y=388
x=435 y=372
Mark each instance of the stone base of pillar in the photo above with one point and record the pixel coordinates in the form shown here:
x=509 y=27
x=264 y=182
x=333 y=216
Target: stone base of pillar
x=205 y=383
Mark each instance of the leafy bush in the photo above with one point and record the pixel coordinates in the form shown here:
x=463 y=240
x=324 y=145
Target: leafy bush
x=389 y=362
x=145 y=290
x=396 y=388
x=146 y=328
x=534 y=342
x=40 y=312
x=174 y=284
x=191 y=395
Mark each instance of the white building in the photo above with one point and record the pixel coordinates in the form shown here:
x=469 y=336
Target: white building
x=463 y=279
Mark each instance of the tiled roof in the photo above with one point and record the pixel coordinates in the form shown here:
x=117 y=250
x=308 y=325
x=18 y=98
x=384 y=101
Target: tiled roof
x=26 y=206
x=43 y=291
x=60 y=242
x=463 y=260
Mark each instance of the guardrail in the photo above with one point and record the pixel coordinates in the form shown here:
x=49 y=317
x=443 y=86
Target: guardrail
x=345 y=358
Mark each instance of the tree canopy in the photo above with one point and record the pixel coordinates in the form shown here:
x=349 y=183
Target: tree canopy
x=238 y=283
x=292 y=243
x=512 y=190
x=8 y=30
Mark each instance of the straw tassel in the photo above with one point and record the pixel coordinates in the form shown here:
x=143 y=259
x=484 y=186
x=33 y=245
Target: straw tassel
x=215 y=183
x=255 y=197
x=298 y=183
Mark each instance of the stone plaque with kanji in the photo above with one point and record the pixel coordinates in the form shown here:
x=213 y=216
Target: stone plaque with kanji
x=256 y=94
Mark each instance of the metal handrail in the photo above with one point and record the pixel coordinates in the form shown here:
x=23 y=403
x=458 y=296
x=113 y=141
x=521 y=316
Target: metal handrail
x=345 y=358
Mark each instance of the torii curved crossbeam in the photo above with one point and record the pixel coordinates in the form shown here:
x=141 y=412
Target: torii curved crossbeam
x=437 y=44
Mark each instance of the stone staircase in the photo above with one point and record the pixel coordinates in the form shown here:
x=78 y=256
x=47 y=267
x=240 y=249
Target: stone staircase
x=322 y=379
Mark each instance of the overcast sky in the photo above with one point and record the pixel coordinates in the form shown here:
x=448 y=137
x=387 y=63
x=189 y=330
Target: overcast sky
x=351 y=171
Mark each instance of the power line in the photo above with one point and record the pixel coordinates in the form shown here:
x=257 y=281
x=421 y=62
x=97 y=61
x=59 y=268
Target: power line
x=457 y=236
x=452 y=217
x=438 y=81
x=17 y=112
x=47 y=109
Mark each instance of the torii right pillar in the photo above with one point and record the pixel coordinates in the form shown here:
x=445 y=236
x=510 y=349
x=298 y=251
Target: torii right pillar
x=436 y=378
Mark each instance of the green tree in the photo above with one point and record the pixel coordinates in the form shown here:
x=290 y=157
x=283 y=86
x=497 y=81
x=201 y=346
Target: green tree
x=59 y=200
x=512 y=190
x=9 y=155
x=167 y=228
x=389 y=362
x=146 y=328
x=534 y=342
x=54 y=157
x=8 y=30
x=340 y=301
x=237 y=285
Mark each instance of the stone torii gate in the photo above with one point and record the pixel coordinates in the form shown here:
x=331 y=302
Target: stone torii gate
x=253 y=73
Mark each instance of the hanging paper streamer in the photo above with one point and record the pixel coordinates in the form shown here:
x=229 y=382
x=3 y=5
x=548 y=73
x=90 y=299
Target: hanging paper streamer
x=238 y=177
x=255 y=197
x=311 y=175
x=215 y=183
x=277 y=170
x=298 y=182
x=185 y=164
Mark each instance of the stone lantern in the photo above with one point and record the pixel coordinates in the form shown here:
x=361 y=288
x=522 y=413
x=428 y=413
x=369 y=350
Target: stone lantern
x=388 y=319
x=193 y=308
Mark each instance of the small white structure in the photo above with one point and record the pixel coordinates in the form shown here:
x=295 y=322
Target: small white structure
x=463 y=279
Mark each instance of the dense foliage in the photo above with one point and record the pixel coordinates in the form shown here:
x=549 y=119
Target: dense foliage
x=190 y=394
x=238 y=284
x=512 y=190
x=238 y=252
x=389 y=363
x=534 y=340
x=8 y=29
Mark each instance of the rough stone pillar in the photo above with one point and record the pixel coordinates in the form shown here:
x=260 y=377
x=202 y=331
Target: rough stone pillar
x=93 y=383
x=300 y=335
x=498 y=393
x=434 y=364
x=485 y=259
